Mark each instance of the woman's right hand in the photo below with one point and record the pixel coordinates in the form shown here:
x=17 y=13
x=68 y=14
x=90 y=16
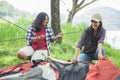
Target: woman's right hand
x=74 y=60
x=40 y=37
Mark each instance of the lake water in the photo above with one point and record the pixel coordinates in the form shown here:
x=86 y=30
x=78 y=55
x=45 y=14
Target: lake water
x=113 y=38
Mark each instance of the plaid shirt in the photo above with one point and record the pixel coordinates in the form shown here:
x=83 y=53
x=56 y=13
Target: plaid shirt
x=49 y=36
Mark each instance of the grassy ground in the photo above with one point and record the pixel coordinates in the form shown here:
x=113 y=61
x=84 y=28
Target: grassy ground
x=63 y=51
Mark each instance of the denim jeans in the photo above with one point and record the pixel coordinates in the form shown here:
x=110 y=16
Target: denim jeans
x=91 y=56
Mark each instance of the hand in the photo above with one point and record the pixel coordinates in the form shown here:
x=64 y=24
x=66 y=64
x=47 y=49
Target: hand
x=49 y=58
x=76 y=56
x=41 y=37
x=74 y=60
x=100 y=55
x=59 y=35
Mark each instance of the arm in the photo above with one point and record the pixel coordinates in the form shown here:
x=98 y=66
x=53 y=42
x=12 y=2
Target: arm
x=51 y=34
x=78 y=48
x=100 y=50
x=100 y=43
x=29 y=35
x=56 y=60
x=76 y=55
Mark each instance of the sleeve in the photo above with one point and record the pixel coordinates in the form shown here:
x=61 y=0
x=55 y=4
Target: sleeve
x=51 y=35
x=29 y=35
x=81 y=41
x=102 y=36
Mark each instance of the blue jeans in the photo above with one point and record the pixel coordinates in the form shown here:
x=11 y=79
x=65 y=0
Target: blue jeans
x=91 y=56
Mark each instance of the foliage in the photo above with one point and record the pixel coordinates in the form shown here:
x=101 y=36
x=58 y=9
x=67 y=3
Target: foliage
x=63 y=51
x=7 y=9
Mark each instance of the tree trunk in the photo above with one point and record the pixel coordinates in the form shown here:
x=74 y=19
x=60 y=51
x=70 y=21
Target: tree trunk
x=55 y=18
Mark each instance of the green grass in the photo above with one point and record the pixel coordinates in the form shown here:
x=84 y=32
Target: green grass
x=63 y=51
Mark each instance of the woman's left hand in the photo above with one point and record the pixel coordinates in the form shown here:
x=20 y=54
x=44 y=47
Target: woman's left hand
x=59 y=35
x=100 y=55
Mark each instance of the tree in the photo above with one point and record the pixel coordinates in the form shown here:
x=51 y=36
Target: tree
x=77 y=5
x=55 y=18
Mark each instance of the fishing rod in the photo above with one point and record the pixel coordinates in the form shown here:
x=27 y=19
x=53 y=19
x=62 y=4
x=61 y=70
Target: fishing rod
x=13 y=23
x=71 y=32
x=11 y=39
x=24 y=38
x=24 y=30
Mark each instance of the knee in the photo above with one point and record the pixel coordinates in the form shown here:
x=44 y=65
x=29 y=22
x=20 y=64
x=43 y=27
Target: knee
x=83 y=57
x=103 y=51
x=21 y=55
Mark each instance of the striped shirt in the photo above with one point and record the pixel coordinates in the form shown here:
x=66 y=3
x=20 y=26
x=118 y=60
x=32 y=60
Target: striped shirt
x=49 y=36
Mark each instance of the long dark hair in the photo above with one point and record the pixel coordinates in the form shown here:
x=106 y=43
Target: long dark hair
x=101 y=23
x=100 y=26
x=37 y=23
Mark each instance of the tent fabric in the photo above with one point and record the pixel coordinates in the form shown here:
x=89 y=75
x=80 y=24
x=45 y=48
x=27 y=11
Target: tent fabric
x=71 y=71
x=33 y=74
x=104 y=69
x=48 y=72
x=36 y=70
x=22 y=67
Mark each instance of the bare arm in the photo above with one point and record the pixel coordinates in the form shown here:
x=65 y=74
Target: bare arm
x=78 y=48
x=76 y=55
x=100 y=45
